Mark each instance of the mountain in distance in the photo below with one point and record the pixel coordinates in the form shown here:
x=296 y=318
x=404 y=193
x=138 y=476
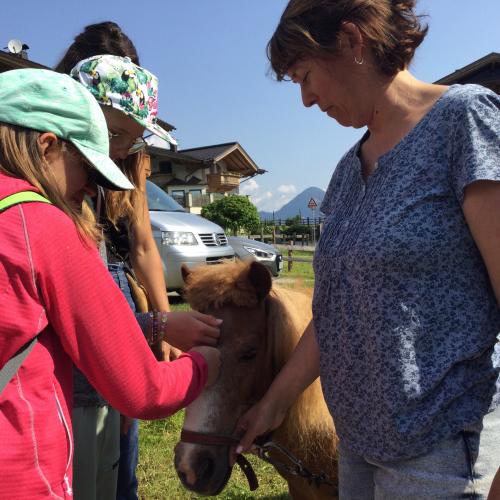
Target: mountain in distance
x=298 y=206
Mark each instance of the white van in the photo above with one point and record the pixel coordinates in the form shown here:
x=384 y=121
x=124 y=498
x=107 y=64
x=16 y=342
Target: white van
x=183 y=238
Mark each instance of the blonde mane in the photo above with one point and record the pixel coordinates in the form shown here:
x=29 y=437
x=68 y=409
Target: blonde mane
x=213 y=287
x=308 y=424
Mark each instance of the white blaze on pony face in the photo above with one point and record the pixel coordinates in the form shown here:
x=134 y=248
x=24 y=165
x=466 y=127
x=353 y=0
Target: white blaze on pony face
x=197 y=464
x=242 y=351
x=202 y=414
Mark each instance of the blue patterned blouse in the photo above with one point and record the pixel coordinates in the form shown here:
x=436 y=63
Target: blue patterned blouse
x=405 y=315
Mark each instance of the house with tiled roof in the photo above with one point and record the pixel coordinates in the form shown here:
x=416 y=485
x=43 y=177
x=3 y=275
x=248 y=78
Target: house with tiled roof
x=197 y=176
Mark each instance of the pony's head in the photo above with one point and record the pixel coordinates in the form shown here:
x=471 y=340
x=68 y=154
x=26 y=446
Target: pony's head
x=252 y=351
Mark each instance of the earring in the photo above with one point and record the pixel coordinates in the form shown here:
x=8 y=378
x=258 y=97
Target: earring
x=358 y=61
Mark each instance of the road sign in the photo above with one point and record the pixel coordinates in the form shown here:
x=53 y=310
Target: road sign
x=312 y=204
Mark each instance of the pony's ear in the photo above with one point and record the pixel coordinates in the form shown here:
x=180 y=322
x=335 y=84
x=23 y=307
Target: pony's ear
x=185 y=271
x=260 y=277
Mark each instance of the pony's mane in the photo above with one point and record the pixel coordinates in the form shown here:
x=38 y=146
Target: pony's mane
x=288 y=314
x=213 y=287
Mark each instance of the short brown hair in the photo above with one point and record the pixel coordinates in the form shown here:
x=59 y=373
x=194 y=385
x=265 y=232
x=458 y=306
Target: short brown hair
x=310 y=29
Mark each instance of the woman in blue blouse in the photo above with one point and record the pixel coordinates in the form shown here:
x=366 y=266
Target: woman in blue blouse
x=406 y=311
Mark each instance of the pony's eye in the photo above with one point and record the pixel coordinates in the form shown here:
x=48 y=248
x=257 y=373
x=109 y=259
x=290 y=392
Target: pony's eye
x=248 y=355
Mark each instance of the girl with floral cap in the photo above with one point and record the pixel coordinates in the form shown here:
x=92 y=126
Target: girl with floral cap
x=128 y=98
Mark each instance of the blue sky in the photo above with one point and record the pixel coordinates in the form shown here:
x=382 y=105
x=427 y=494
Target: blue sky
x=210 y=58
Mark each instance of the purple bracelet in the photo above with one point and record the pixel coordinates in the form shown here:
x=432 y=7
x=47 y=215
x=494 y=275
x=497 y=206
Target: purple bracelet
x=157 y=326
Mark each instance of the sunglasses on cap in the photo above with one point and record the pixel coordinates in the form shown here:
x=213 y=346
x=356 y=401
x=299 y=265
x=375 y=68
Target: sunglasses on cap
x=139 y=144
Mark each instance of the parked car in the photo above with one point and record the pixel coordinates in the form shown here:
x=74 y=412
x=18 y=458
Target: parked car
x=245 y=249
x=182 y=237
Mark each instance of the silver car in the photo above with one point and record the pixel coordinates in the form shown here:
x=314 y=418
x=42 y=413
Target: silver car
x=246 y=249
x=183 y=238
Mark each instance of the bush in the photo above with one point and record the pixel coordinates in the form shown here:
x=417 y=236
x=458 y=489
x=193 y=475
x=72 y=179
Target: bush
x=233 y=213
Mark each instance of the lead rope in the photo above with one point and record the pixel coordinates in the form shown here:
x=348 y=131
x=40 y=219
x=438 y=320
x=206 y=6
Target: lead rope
x=297 y=468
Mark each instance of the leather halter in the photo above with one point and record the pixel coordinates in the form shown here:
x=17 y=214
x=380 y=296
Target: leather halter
x=294 y=466
x=219 y=440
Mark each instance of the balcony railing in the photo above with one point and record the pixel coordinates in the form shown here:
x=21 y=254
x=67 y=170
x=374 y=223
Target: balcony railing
x=223 y=182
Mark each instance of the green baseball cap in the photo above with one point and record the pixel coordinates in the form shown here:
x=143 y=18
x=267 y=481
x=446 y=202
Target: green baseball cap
x=47 y=101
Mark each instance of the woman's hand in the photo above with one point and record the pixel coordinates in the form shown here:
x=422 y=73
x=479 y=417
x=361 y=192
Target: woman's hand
x=187 y=329
x=212 y=358
x=259 y=420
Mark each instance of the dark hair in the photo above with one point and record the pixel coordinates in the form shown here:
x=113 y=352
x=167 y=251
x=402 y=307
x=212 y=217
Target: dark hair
x=97 y=39
x=310 y=29
x=108 y=38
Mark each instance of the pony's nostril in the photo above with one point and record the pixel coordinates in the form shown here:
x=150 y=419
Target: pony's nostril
x=182 y=476
x=186 y=476
x=206 y=468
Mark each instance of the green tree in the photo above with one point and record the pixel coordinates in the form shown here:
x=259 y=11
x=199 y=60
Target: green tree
x=233 y=213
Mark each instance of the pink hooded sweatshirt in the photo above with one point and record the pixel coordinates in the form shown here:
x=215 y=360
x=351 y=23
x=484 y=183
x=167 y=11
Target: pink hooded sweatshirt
x=54 y=285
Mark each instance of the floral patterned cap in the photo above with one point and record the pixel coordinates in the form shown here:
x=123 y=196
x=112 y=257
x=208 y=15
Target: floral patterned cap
x=118 y=82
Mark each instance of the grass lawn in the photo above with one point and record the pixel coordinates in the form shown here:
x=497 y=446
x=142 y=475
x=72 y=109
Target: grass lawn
x=156 y=473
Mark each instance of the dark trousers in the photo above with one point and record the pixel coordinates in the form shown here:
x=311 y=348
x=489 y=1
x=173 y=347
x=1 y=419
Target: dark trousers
x=129 y=443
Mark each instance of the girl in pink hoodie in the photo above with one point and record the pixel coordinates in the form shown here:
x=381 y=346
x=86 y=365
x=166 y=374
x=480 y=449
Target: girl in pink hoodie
x=54 y=286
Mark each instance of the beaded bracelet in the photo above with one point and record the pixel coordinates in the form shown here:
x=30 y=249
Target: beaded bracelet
x=158 y=324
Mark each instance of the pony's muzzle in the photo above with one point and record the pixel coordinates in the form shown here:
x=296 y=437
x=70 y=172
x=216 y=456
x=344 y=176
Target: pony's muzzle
x=200 y=469
x=200 y=474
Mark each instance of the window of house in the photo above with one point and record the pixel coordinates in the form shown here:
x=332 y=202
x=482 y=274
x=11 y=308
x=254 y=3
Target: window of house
x=179 y=196
x=165 y=167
